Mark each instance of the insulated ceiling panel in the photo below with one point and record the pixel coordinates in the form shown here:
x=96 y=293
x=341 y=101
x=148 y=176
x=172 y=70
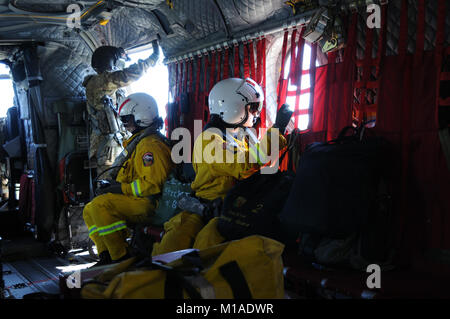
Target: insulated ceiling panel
x=393 y=27
x=202 y=13
x=190 y=25
x=254 y=11
x=127 y=28
x=192 y=22
x=48 y=6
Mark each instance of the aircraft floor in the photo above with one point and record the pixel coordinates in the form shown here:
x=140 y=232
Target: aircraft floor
x=28 y=267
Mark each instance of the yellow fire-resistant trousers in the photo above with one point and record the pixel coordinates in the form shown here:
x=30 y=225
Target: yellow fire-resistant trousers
x=106 y=217
x=187 y=230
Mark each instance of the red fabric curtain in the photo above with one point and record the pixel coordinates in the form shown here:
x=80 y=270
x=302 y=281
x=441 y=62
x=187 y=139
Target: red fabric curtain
x=195 y=79
x=406 y=116
x=333 y=92
x=422 y=181
x=282 y=83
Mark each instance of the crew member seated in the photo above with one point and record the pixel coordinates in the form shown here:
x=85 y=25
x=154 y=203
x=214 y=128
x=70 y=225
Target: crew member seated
x=132 y=196
x=234 y=105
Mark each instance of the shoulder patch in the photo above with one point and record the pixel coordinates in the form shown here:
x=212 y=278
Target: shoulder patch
x=147 y=159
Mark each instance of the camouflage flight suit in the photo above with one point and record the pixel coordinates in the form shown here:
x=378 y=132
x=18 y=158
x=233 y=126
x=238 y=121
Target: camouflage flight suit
x=103 y=146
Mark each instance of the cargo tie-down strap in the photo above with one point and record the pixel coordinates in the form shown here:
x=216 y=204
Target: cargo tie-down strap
x=282 y=82
x=219 y=65
x=212 y=70
x=413 y=69
x=252 y=59
x=261 y=75
x=203 y=103
x=226 y=67
x=294 y=53
x=442 y=60
x=246 y=60
x=296 y=73
x=237 y=73
x=365 y=105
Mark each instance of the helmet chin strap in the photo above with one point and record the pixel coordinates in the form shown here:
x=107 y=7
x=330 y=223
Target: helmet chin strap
x=240 y=124
x=157 y=124
x=137 y=129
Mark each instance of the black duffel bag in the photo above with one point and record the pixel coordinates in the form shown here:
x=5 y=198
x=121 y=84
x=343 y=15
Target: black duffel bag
x=253 y=205
x=336 y=186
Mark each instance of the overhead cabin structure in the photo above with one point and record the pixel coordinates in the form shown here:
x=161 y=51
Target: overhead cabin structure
x=380 y=64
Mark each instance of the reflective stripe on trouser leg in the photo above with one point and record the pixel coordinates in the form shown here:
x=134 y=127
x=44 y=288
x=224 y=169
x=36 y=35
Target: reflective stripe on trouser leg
x=115 y=240
x=110 y=214
x=109 y=229
x=93 y=230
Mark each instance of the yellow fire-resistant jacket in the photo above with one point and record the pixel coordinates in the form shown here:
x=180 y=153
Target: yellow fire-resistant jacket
x=145 y=172
x=215 y=175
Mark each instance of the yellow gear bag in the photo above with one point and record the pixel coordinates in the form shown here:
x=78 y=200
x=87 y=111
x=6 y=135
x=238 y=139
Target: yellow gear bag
x=251 y=267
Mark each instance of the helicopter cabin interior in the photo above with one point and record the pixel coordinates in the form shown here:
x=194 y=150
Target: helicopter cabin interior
x=379 y=68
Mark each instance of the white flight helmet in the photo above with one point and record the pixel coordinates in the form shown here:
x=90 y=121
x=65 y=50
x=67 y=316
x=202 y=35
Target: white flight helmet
x=142 y=106
x=229 y=97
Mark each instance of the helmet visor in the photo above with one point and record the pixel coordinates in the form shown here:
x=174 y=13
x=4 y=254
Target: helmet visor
x=127 y=119
x=252 y=93
x=255 y=108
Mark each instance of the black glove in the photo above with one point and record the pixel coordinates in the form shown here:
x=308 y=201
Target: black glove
x=109 y=187
x=283 y=117
x=155 y=54
x=155 y=46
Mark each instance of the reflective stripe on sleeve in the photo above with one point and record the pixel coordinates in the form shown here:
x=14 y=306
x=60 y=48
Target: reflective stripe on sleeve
x=136 y=188
x=257 y=154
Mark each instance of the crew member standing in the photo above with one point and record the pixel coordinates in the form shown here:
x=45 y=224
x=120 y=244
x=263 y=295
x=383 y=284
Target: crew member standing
x=104 y=142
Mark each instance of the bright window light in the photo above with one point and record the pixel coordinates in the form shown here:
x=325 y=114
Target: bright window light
x=6 y=90
x=303 y=120
x=154 y=82
x=72 y=268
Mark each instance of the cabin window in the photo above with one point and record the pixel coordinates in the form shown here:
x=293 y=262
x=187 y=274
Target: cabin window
x=305 y=95
x=154 y=82
x=6 y=90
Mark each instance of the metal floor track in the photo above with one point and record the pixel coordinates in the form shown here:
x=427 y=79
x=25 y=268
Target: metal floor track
x=34 y=275
x=27 y=273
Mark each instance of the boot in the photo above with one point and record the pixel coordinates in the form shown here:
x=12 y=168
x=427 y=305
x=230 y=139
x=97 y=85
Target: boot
x=124 y=257
x=104 y=259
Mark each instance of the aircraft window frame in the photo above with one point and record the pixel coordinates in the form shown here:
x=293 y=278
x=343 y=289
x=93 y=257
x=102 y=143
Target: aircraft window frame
x=6 y=103
x=303 y=121
x=161 y=98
